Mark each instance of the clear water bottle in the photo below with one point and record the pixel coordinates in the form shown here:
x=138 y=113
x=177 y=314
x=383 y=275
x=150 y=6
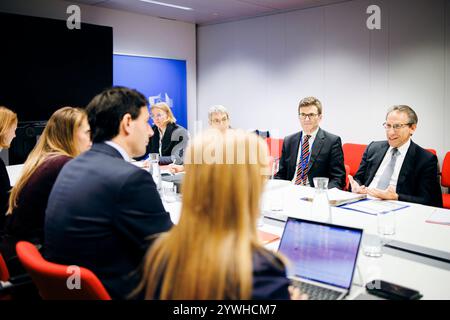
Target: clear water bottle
x=155 y=169
x=320 y=209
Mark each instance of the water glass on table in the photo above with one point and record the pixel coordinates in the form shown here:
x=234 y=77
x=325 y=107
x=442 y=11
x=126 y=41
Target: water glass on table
x=169 y=192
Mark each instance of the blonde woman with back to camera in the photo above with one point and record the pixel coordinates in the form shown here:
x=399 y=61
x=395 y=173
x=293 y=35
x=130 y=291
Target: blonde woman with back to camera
x=66 y=135
x=214 y=251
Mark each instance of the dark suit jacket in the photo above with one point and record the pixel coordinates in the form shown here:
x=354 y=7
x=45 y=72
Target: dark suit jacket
x=5 y=186
x=326 y=160
x=418 y=178
x=100 y=214
x=174 y=142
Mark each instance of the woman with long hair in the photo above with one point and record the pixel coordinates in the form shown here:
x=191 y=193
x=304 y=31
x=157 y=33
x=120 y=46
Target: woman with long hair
x=66 y=135
x=214 y=251
x=8 y=126
x=169 y=138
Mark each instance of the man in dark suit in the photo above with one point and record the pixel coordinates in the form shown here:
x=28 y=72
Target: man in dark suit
x=399 y=169
x=102 y=209
x=312 y=152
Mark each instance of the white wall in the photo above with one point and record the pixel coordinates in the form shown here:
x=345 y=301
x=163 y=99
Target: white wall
x=260 y=68
x=132 y=34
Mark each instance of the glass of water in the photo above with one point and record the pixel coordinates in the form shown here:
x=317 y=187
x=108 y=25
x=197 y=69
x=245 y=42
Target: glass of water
x=169 y=193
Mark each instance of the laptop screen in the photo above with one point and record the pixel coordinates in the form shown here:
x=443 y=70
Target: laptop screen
x=321 y=252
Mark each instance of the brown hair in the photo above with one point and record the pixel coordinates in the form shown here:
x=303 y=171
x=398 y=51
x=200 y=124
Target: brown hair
x=310 y=101
x=7 y=119
x=58 y=138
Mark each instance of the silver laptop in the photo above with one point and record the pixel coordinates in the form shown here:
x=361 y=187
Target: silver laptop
x=322 y=257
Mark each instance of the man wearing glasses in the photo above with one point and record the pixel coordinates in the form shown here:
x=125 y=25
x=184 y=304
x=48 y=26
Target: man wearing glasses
x=399 y=169
x=219 y=118
x=312 y=152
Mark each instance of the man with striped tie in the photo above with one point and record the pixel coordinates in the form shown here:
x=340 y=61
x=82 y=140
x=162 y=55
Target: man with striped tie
x=312 y=152
x=397 y=168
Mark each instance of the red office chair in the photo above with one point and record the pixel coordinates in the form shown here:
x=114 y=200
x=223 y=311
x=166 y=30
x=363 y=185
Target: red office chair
x=51 y=278
x=432 y=151
x=4 y=276
x=353 y=154
x=4 y=273
x=445 y=180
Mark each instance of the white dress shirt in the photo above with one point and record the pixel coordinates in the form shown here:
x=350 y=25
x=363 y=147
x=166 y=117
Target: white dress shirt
x=299 y=154
x=121 y=150
x=161 y=135
x=398 y=165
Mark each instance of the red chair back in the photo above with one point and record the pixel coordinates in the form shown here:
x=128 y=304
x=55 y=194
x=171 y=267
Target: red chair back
x=4 y=273
x=445 y=181
x=353 y=154
x=52 y=280
x=432 y=151
x=275 y=147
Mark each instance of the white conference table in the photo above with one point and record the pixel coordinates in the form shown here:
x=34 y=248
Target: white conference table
x=429 y=276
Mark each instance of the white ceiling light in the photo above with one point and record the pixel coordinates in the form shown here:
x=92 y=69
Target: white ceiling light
x=167 y=5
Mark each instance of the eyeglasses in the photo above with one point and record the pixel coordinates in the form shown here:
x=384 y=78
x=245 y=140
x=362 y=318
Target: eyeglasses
x=218 y=121
x=396 y=126
x=309 y=115
x=157 y=116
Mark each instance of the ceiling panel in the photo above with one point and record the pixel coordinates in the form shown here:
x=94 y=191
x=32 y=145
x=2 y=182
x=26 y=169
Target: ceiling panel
x=209 y=11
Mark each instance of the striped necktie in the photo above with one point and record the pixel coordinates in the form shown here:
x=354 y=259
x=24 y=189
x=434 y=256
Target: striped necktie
x=302 y=166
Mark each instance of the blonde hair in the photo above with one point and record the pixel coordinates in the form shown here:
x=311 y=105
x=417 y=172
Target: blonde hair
x=208 y=255
x=164 y=107
x=7 y=119
x=58 y=138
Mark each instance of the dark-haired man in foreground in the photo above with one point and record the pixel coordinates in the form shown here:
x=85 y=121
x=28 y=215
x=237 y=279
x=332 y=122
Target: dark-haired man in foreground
x=102 y=209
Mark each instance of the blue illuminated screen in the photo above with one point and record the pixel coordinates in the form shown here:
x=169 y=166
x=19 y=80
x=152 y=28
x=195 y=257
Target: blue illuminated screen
x=160 y=80
x=320 y=252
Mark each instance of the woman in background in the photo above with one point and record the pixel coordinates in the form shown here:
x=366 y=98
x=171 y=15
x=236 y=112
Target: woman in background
x=8 y=126
x=66 y=135
x=169 y=139
x=214 y=251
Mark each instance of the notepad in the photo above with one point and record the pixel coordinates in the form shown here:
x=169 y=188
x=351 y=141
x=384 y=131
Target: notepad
x=440 y=217
x=267 y=237
x=338 y=197
x=375 y=206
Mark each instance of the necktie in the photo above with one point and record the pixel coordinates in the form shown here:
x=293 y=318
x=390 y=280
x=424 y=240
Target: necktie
x=385 y=178
x=302 y=166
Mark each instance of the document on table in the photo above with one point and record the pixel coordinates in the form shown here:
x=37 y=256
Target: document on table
x=440 y=217
x=336 y=197
x=375 y=206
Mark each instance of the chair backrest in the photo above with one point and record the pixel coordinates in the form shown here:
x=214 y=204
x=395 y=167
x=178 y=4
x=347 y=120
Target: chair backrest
x=445 y=180
x=432 y=151
x=4 y=273
x=275 y=147
x=52 y=280
x=353 y=154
